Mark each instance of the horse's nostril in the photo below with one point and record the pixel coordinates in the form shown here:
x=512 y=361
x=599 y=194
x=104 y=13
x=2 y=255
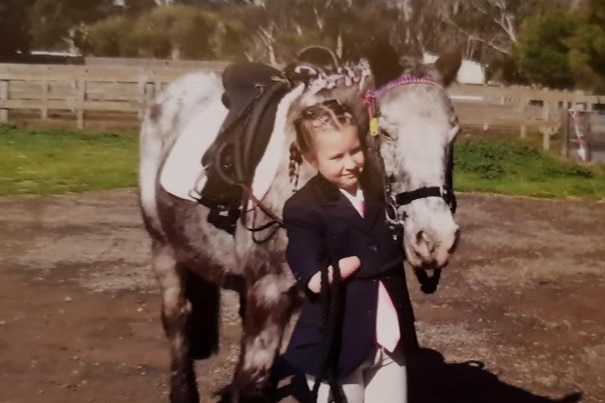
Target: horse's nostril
x=420 y=236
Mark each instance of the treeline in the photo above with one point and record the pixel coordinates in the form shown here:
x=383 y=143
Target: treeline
x=552 y=43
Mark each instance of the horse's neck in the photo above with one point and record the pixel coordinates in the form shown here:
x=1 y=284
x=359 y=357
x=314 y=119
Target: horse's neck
x=305 y=172
x=284 y=184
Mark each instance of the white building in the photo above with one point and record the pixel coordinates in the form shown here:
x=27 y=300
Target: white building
x=470 y=71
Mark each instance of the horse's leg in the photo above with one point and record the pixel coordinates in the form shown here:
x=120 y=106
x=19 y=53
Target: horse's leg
x=176 y=312
x=268 y=308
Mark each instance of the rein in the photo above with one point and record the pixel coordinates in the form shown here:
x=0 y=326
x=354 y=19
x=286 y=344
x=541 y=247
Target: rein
x=275 y=220
x=428 y=284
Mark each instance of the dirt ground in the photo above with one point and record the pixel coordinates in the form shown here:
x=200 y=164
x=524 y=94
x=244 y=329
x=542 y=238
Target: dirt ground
x=518 y=317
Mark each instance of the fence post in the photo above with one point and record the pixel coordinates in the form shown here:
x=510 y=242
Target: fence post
x=148 y=90
x=565 y=139
x=44 y=108
x=4 y=84
x=80 y=99
x=522 y=109
x=546 y=138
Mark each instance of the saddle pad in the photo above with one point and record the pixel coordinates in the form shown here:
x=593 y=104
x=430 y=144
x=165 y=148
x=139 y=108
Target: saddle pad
x=183 y=175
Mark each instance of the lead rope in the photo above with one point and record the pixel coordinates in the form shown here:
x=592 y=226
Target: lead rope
x=330 y=328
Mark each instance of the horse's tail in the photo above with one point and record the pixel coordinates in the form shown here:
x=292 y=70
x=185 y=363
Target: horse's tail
x=150 y=161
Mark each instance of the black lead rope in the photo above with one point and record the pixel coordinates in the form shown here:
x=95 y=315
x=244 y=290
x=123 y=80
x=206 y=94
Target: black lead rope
x=332 y=297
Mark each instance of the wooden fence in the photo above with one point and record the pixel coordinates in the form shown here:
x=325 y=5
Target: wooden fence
x=83 y=93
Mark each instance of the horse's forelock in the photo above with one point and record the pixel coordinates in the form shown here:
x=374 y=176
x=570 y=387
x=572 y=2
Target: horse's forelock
x=348 y=86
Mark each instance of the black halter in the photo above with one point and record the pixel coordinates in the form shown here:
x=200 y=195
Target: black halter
x=396 y=200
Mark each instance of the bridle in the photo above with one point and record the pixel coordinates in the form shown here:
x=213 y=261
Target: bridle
x=394 y=201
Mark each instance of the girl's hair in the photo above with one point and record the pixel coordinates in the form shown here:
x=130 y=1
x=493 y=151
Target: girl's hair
x=324 y=116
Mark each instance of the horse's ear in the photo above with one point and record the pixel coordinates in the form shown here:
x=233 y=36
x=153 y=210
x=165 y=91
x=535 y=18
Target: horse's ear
x=448 y=66
x=384 y=62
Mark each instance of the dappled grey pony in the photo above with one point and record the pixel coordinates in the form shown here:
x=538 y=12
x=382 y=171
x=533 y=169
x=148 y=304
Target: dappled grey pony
x=192 y=258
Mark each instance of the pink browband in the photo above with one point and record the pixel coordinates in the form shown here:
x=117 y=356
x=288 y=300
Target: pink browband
x=402 y=80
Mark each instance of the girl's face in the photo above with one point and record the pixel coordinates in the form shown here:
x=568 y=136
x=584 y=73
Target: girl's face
x=338 y=156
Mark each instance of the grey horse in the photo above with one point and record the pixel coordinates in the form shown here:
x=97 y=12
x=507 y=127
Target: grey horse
x=193 y=260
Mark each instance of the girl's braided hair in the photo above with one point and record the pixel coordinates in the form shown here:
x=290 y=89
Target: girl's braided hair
x=320 y=117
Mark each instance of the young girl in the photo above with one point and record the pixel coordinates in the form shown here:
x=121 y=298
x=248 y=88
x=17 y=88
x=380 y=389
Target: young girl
x=336 y=219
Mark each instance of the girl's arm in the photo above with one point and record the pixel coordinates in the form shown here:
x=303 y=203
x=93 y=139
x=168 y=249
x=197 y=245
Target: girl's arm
x=306 y=251
x=348 y=266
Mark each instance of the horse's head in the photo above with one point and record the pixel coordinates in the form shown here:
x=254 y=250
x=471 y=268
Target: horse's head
x=414 y=146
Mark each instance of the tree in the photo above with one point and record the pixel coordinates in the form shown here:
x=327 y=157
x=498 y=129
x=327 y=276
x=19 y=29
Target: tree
x=177 y=32
x=138 y=7
x=110 y=38
x=587 y=48
x=14 y=29
x=542 y=54
x=58 y=24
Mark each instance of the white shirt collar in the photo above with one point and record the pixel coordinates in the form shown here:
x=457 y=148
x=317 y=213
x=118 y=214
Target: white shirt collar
x=357 y=197
x=356 y=200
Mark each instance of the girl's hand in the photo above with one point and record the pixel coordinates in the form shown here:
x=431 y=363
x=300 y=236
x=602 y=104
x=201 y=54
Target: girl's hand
x=348 y=266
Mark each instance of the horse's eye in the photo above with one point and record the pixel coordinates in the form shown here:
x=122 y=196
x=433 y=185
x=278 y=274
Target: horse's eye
x=387 y=136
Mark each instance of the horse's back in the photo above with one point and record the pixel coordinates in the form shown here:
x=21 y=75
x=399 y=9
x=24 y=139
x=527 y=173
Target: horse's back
x=173 y=113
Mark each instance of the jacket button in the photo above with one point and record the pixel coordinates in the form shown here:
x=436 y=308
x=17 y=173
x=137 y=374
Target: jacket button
x=373 y=247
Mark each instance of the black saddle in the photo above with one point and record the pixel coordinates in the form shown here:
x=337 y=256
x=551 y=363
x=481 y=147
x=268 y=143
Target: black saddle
x=252 y=93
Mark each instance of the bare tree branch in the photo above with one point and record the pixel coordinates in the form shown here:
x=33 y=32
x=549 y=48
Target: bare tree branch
x=472 y=37
x=505 y=20
x=267 y=38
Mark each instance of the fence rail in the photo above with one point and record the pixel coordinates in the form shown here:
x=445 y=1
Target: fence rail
x=80 y=91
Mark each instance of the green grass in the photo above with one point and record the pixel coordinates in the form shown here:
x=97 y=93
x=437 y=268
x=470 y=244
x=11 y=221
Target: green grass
x=59 y=162
x=515 y=168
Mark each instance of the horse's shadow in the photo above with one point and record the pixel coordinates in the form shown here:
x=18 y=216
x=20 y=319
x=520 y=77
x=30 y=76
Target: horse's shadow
x=432 y=380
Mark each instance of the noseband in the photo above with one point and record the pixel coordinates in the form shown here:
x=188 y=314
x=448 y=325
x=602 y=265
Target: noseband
x=395 y=201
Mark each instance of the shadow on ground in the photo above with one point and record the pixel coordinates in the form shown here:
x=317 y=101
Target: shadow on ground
x=432 y=380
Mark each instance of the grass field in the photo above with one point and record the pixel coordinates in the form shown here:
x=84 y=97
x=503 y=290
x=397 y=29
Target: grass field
x=59 y=162
x=517 y=167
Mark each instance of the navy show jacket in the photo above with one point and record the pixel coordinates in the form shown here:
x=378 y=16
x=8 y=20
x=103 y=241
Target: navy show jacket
x=323 y=227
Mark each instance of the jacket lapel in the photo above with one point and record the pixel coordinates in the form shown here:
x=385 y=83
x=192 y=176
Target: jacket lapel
x=340 y=207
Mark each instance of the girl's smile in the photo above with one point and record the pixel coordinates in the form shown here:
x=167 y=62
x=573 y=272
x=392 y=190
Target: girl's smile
x=339 y=157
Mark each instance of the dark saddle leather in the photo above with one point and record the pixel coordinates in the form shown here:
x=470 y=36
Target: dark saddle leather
x=252 y=94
